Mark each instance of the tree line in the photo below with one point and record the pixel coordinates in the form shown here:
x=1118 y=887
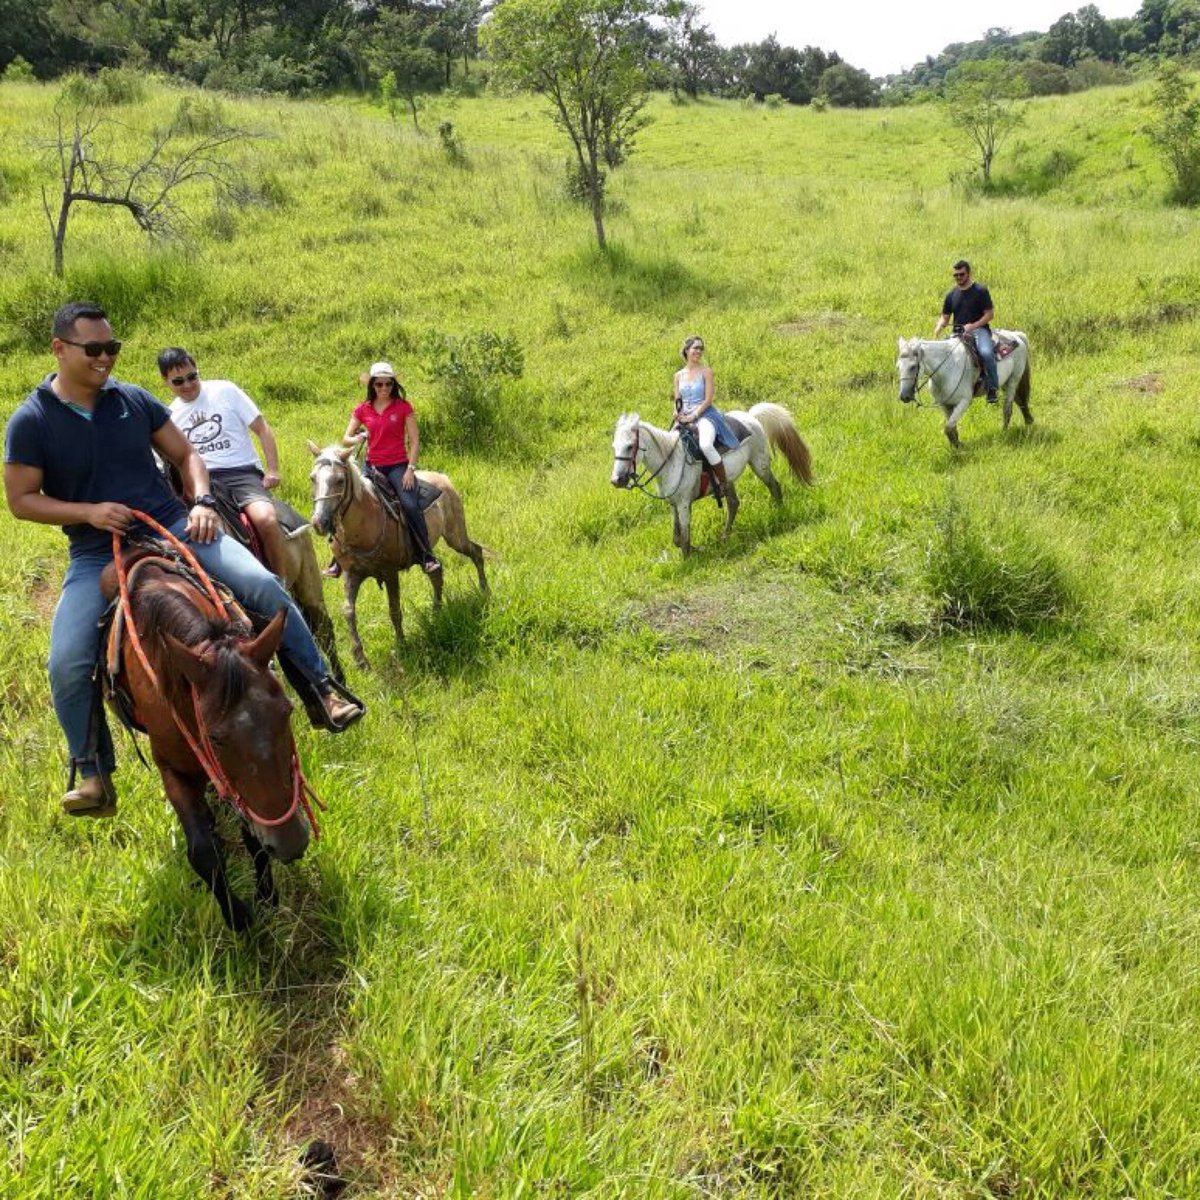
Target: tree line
x=1082 y=49
x=425 y=45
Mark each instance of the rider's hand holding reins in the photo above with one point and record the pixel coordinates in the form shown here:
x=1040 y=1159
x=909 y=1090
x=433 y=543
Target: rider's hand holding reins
x=110 y=516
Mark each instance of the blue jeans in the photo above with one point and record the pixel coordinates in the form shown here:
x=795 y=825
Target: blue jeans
x=987 y=353
x=75 y=640
x=410 y=502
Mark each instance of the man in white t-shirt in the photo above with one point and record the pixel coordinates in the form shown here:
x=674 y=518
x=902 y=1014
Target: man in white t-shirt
x=217 y=418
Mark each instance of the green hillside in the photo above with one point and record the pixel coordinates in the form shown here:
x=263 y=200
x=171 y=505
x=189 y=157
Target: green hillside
x=856 y=856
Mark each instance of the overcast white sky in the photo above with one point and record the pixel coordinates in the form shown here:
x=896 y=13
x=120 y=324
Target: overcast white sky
x=885 y=36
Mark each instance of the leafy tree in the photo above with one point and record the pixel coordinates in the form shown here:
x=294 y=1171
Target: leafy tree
x=981 y=103
x=590 y=58
x=398 y=48
x=453 y=33
x=1175 y=130
x=1044 y=78
x=693 y=56
x=845 y=86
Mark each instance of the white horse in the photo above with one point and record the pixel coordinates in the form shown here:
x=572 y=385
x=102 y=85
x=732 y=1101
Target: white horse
x=661 y=453
x=951 y=374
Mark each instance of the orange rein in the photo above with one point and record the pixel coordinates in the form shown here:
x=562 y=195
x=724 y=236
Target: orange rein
x=201 y=744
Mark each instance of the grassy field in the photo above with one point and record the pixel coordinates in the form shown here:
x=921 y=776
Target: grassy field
x=855 y=857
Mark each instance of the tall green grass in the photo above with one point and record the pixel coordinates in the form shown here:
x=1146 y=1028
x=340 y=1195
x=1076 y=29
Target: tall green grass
x=855 y=856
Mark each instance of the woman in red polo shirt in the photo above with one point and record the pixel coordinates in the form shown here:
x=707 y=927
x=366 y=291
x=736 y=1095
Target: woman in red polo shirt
x=386 y=422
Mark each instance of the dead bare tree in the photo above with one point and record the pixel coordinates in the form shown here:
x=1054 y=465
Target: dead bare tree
x=145 y=185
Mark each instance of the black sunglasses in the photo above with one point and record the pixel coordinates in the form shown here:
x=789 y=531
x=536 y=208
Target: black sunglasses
x=180 y=380
x=95 y=349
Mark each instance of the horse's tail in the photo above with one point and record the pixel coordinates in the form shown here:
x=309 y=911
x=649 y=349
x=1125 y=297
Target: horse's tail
x=1024 y=383
x=782 y=433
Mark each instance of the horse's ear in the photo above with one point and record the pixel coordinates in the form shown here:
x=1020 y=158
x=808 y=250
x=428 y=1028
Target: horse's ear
x=345 y=452
x=313 y=448
x=187 y=660
x=899 y=346
x=262 y=649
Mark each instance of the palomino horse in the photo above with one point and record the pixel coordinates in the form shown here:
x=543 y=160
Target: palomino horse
x=369 y=543
x=951 y=374
x=200 y=684
x=661 y=453
x=300 y=574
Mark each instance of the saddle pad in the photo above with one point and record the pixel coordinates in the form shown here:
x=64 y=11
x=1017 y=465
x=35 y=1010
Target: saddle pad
x=738 y=428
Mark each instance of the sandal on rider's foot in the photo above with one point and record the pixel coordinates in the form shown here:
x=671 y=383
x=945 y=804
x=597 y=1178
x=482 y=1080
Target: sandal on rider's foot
x=333 y=571
x=431 y=566
x=94 y=797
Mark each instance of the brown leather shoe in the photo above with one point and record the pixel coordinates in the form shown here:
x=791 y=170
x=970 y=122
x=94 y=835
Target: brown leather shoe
x=342 y=713
x=94 y=797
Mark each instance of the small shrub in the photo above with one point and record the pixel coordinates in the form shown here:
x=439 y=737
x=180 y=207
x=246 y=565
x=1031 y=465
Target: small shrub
x=120 y=85
x=452 y=144
x=773 y=100
x=79 y=91
x=388 y=93
x=819 y=104
x=575 y=184
x=999 y=577
x=1176 y=132
x=471 y=370
x=199 y=114
x=221 y=223
x=18 y=71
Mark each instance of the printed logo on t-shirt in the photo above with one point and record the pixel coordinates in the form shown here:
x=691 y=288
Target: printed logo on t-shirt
x=205 y=433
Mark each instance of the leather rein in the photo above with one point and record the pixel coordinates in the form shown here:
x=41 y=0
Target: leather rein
x=200 y=743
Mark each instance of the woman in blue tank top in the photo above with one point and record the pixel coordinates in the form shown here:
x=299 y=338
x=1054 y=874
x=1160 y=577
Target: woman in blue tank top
x=694 y=406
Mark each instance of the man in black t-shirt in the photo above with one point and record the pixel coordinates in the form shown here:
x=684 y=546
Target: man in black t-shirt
x=969 y=306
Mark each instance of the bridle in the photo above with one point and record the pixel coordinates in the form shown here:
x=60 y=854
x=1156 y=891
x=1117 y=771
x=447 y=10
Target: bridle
x=200 y=743
x=345 y=498
x=643 y=483
x=918 y=355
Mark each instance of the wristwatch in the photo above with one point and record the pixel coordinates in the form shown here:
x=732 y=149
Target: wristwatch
x=205 y=501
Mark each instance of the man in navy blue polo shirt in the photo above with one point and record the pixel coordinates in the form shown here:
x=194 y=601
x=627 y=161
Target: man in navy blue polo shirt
x=969 y=306
x=78 y=453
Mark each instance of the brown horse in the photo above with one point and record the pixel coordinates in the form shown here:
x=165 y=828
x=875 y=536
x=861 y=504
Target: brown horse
x=199 y=683
x=369 y=543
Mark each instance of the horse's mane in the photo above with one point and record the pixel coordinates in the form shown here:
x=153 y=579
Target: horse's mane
x=663 y=439
x=167 y=610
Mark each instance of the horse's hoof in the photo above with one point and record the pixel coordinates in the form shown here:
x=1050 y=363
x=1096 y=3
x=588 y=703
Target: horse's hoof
x=239 y=918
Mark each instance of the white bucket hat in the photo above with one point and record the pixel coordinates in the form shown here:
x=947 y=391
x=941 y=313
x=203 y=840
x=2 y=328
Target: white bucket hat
x=381 y=370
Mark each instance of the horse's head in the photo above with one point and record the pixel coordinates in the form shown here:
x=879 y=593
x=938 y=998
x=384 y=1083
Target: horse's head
x=626 y=450
x=243 y=720
x=332 y=480
x=908 y=363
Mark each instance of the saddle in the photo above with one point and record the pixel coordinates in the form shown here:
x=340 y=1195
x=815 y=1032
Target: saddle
x=241 y=528
x=1004 y=347
x=112 y=623
x=427 y=493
